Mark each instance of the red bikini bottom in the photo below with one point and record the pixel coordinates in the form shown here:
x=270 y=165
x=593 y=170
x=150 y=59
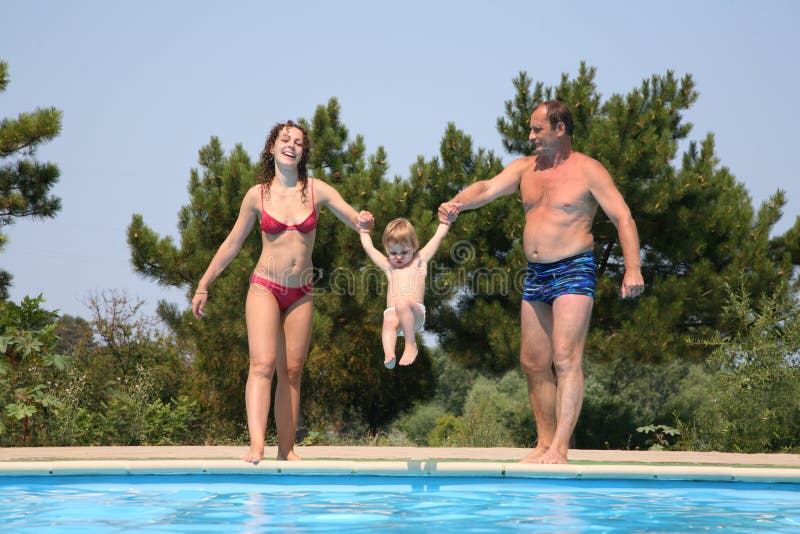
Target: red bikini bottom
x=286 y=296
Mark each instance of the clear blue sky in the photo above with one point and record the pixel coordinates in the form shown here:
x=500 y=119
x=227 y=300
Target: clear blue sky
x=144 y=84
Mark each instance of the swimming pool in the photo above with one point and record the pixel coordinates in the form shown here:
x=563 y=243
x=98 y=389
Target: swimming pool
x=370 y=503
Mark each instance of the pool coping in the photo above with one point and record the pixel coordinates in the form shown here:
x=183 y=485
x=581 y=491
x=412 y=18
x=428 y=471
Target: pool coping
x=400 y=461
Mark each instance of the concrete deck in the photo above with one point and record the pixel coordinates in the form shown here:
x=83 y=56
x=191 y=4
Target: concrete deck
x=34 y=454
x=400 y=461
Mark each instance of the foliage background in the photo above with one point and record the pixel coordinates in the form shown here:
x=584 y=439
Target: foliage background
x=710 y=349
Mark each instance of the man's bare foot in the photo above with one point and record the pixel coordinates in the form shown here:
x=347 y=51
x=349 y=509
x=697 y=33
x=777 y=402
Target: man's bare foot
x=533 y=456
x=390 y=361
x=409 y=355
x=291 y=456
x=254 y=455
x=553 y=456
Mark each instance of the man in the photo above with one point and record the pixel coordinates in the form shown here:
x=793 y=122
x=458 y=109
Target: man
x=561 y=190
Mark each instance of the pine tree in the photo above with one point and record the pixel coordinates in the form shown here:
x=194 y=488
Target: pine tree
x=696 y=224
x=25 y=182
x=344 y=378
x=344 y=375
x=220 y=340
x=698 y=230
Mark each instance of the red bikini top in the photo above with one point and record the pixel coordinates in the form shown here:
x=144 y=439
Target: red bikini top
x=270 y=225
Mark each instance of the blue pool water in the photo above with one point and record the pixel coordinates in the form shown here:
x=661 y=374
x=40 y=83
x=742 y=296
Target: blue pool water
x=308 y=503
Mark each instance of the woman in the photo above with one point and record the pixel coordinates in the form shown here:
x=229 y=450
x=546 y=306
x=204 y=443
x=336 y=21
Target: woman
x=279 y=303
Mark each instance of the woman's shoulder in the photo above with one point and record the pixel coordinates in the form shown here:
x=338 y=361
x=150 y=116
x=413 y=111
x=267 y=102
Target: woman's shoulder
x=253 y=195
x=321 y=187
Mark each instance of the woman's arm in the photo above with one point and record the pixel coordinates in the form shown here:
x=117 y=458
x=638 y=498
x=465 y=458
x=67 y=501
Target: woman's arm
x=341 y=209
x=228 y=250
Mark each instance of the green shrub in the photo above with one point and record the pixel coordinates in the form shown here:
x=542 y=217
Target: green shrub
x=487 y=412
x=449 y=431
x=453 y=383
x=753 y=402
x=419 y=422
x=620 y=397
x=132 y=414
x=496 y=413
x=29 y=371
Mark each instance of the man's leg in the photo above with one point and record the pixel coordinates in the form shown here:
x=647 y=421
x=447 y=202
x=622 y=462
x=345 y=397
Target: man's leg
x=537 y=365
x=571 y=315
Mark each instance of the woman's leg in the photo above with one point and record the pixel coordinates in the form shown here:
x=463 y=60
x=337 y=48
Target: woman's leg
x=296 y=337
x=264 y=338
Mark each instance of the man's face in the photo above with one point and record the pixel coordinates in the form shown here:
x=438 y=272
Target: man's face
x=543 y=137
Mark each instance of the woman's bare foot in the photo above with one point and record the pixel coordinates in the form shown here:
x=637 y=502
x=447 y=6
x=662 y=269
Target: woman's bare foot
x=409 y=355
x=533 y=456
x=254 y=455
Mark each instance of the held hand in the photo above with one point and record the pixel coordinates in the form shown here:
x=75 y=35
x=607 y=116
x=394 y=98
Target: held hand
x=632 y=285
x=199 y=304
x=365 y=221
x=448 y=212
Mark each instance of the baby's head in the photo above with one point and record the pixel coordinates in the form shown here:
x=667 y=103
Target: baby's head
x=400 y=242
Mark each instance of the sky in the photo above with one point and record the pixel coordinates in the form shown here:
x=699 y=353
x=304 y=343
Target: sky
x=144 y=84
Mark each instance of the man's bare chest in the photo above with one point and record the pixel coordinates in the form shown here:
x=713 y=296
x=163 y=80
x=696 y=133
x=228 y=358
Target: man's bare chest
x=552 y=190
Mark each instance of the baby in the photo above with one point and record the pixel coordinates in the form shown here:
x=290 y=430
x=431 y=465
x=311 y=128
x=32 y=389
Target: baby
x=406 y=266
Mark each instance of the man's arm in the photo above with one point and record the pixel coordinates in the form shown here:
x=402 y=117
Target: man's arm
x=484 y=191
x=614 y=206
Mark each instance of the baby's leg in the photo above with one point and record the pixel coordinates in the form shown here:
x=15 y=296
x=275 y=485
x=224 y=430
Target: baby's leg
x=389 y=338
x=407 y=313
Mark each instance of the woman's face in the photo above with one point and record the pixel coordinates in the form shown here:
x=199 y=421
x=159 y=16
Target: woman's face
x=288 y=149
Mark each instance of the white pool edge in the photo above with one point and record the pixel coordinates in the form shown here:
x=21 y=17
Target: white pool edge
x=401 y=468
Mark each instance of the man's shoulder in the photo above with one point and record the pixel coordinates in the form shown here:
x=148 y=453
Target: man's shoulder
x=520 y=165
x=584 y=159
x=523 y=161
x=584 y=165
x=591 y=169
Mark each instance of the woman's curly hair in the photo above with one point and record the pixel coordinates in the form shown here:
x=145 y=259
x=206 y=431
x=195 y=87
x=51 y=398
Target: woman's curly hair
x=266 y=171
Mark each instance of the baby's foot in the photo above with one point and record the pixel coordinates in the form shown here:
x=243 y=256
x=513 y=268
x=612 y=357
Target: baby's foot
x=409 y=355
x=390 y=361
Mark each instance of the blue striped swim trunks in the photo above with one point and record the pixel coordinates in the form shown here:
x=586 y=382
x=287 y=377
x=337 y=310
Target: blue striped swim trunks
x=571 y=276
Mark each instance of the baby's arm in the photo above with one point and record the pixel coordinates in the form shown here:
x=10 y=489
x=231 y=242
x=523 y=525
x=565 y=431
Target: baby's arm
x=429 y=250
x=374 y=254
